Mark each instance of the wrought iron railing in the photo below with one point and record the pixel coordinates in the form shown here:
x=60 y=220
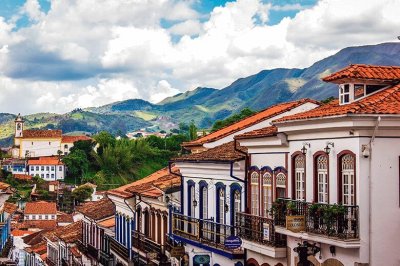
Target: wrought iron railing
x=331 y=220
x=258 y=229
x=92 y=251
x=204 y=231
x=142 y=243
x=119 y=249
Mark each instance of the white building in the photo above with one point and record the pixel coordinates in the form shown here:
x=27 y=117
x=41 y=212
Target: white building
x=40 y=210
x=214 y=191
x=339 y=176
x=48 y=168
x=38 y=143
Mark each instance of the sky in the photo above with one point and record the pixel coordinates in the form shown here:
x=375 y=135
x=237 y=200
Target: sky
x=56 y=56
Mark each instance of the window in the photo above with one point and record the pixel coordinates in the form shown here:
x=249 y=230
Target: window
x=66 y=146
x=42 y=175
x=254 y=193
x=60 y=168
x=42 y=168
x=46 y=217
x=53 y=217
x=192 y=201
x=47 y=176
x=47 y=168
x=267 y=193
x=37 y=168
x=49 y=143
x=32 y=168
x=299 y=171
x=33 y=217
x=52 y=176
x=221 y=201
x=204 y=203
x=40 y=217
x=52 y=168
x=344 y=93
x=347 y=165
x=359 y=91
x=322 y=178
x=281 y=185
x=236 y=202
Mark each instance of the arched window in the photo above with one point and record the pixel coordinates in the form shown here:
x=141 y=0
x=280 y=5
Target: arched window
x=221 y=203
x=254 y=184
x=204 y=202
x=236 y=202
x=280 y=185
x=347 y=163
x=322 y=178
x=299 y=172
x=267 y=192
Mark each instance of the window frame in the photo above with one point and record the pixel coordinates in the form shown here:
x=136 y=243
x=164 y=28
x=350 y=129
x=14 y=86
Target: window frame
x=235 y=188
x=340 y=175
x=316 y=177
x=255 y=193
x=266 y=200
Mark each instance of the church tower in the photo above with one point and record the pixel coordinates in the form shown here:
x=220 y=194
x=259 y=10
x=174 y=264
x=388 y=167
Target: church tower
x=19 y=126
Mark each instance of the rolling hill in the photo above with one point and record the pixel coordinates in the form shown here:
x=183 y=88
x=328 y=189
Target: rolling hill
x=205 y=105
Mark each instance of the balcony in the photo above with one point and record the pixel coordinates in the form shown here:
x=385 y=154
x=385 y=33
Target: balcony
x=336 y=222
x=119 y=249
x=92 y=251
x=148 y=249
x=204 y=233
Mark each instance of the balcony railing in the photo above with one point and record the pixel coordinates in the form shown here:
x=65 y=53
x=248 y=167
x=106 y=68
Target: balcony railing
x=119 y=249
x=204 y=231
x=258 y=229
x=325 y=219
x=92 y=251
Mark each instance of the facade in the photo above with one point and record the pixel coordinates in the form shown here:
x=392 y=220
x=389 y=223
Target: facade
x=327 y=169
x=97 y=217
x=141 y=219
x=215 y=172
x=40 y=143
x=40 y=210
x=48 y=168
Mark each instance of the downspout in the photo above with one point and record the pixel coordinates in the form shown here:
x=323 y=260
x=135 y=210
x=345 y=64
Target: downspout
x=246 y=166
x=181 y=189
x=370 y=187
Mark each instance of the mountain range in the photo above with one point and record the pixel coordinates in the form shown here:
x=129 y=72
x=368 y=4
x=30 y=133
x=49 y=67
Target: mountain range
x=206 y=105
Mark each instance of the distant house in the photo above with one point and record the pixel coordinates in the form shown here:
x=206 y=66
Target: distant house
x=40 y=210
x=48 y=168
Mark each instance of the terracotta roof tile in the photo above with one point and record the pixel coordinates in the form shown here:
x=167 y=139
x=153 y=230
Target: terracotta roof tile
x=10 y=208
x=32 y=133
x=224 y=153
x=150 y=186
x=107 y=223
x=45 y=161
x=386 y=101
x=39 y=224
x=69 y=233
x=18 y=232
x=35 y=237
x=22 y=176
x=97 y=210
x=72 y=139
x=4 y=186
x=259 y=133
x=64 y=218
x=371 y=72
x=40 y=207
x=39 y=248
x=249 y=121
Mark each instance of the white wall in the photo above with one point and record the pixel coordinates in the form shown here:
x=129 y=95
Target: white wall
x=53 y=171
x=40 y=217
x=38 y=147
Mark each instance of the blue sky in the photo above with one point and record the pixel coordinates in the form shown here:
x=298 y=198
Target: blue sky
x=67 y=54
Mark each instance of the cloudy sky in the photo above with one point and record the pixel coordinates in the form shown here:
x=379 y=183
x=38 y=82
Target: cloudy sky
x=56 y=55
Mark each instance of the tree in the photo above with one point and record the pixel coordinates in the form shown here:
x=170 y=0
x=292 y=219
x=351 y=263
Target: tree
x=104 y=139
x=192 y=131
x=77 y=162
x=82 y=193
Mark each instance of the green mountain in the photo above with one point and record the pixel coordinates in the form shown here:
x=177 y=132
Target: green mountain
x=205 y=105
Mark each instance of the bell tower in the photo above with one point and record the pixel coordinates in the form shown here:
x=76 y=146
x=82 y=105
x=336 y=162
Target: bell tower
x=19 y=126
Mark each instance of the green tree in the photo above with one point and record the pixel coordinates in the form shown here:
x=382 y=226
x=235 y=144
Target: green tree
x=77 y=163
x=104 y=140
x=192 y=131
x=82 y=193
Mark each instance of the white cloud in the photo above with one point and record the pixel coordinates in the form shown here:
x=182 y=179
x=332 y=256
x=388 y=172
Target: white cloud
x=93 y=52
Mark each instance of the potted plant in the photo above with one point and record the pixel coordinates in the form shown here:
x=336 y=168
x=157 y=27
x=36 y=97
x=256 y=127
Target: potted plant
x=291 y=208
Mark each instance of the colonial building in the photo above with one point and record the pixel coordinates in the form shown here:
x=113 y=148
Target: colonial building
x=38 y=143
x=93 y=236
x=141 y=222
x=328 y=179
x=40 y=210
x=48 y=168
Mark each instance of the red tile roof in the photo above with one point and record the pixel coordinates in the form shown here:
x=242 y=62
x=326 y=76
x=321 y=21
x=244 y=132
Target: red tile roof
x=72 y=139
x=33 y=133
x=366 y=72
x=64 y=218
x=10 y=208
x=40 y=224
x=97 y=210
x=386 y=101
x=150 y=186
x=223 y=153
x=107 y=223
x=40 y=207
x=4 y=186
x=249 y=121
x=69 y=233
x=22 y=176
x=46 y=161
x=259 y=133
x=18 y=232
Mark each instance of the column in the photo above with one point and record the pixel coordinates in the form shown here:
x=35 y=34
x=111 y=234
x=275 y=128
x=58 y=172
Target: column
x=116 y=226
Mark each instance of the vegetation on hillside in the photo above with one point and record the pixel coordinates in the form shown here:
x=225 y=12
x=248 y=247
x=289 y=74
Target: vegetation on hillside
x=232 y=119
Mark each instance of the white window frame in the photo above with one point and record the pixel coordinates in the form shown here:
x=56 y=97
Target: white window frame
x=255 y=193
x=267 y=193
x=322 y=179
x=299 y=171
x=348 y=179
